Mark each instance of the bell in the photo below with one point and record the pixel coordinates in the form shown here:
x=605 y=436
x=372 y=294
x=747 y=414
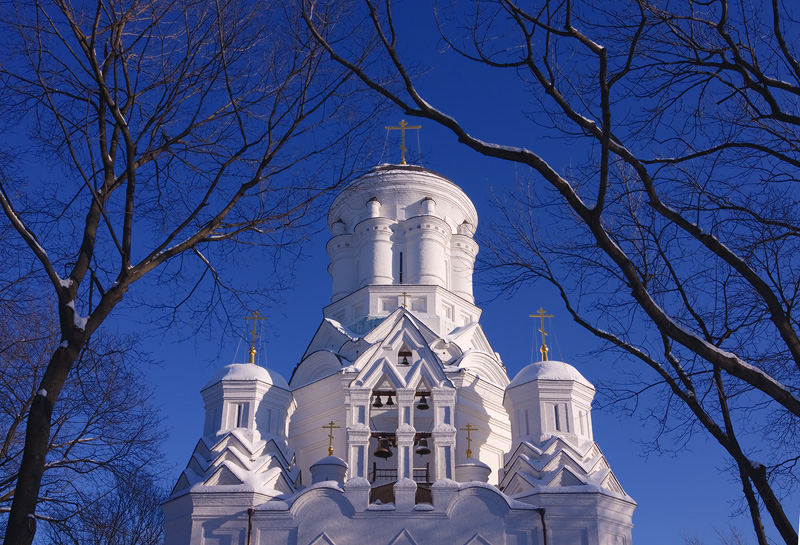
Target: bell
x=422 y=447
x=405 y=360
x=383 y=450
x=423 y=404
x=377 y=403
x=389 y=402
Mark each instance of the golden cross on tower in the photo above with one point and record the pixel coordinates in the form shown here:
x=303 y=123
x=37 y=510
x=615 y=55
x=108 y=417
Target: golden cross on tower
x=330 y=427
x=404 y=300
x=541 y=315
x=255 y=317
x=403 y=127
x=469 y=428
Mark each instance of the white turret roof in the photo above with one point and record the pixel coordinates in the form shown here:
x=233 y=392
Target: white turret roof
x=549 y=370
x=248 y=371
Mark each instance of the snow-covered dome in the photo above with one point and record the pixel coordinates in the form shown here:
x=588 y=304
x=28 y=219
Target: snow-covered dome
x=549 y=370
x=248 y=371
x=400 y=192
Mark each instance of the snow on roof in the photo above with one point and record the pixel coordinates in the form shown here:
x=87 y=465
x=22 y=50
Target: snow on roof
x=549 y=370
x=331 y=461
x=248 y=371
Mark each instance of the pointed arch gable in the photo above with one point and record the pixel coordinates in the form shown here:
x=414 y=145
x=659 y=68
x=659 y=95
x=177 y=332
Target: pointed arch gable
x=403 y=332
x=197 y=464
x=232 y=458
x=378 y=371
x=401 y=317
x=519 y=484
x=223 y=476
x=182 y=484
x=477 y=539
x=610 y=482
x=322 y=539
x=565 y=477
x=403 y=538
x=427 y=368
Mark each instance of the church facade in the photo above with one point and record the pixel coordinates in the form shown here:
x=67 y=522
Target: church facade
x=400 y=424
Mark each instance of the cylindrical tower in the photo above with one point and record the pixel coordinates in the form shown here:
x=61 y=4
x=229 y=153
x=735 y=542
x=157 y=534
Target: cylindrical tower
x=405 y=226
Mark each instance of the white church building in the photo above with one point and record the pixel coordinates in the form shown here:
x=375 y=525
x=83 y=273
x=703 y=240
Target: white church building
x=400 y=424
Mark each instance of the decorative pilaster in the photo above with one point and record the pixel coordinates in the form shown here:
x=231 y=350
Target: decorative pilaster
x=358 y=432
x=444 y=432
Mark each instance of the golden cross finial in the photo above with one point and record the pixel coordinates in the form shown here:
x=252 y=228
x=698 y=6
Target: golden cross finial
x=541 y=315
x=469 y=428
x=404 y=300
x=403 y=128
x=330 y=427
x=255 y=317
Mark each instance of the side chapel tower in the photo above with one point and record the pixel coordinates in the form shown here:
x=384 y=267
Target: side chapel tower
x=426 y=438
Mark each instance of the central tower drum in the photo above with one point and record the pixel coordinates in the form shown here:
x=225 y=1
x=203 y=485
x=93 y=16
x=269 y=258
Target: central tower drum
x=409 y=228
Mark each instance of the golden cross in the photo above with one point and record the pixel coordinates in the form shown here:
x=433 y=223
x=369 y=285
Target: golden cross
x=403 y=128
x=330 y=427
x=404 y=299
x=469 y=428
x=255 y=317
x=541 y=315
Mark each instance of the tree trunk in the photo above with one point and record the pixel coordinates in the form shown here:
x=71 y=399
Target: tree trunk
x=21 y=520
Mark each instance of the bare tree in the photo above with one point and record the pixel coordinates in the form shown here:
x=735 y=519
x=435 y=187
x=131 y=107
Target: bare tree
x=675 y=235
x=129 y=514
x=145 y=132
x=104 y=434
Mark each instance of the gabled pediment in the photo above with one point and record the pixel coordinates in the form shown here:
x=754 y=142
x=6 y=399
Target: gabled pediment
x=203 y=450
x=182 y=484
x=276 y=479
x=517 y=484
x=381 y=364
x=611 y=483
x=197 y=464
x=389 y=324
x=565 y=459
x=223 y=476
x=232 y=441
x=322 y=539
x=477 y=539
x=403 y=538
x=565 y=477
x=232 y=458
x=521 y=465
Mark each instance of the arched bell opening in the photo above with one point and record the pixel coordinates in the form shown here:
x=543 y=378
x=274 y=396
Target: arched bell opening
x=422 y=458
x=404 y=356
